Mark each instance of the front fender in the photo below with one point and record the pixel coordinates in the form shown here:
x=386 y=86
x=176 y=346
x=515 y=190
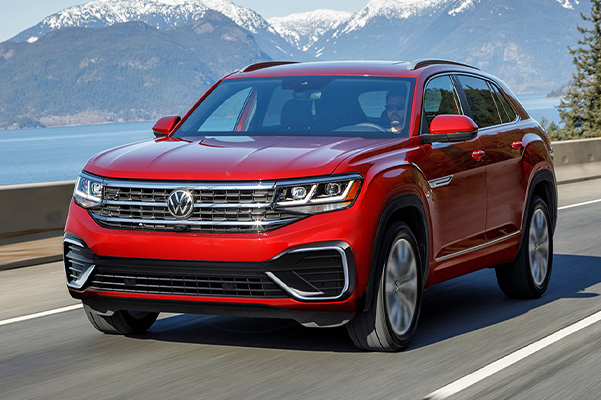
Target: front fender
x=400 y=194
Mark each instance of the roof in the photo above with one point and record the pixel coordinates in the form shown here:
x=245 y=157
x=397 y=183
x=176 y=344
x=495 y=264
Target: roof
x=341 y=68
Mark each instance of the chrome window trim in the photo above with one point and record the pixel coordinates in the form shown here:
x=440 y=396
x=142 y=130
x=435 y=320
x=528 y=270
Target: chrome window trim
x=302 y=295
x=478 y=247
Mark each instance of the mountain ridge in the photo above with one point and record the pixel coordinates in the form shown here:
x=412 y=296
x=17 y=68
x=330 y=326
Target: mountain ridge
x=523 y=43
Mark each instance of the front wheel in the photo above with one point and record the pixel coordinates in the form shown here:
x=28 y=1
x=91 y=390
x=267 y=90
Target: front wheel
x=528 y=276
x=392 y=318
x=121 y=322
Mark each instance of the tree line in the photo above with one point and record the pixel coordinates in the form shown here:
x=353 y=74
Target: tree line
x=580 y=109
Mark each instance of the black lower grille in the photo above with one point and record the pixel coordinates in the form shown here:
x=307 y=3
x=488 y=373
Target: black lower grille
x=186 y=278
x=317 y=271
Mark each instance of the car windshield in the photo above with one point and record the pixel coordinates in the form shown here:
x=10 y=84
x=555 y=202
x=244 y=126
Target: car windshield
x=304 y=105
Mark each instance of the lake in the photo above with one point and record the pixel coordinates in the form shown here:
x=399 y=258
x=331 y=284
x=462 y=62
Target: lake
x=58 y=154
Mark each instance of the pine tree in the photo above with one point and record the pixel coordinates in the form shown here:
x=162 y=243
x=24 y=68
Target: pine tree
x=580 y=110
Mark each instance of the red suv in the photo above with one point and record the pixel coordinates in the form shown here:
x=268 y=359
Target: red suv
x=329 y=193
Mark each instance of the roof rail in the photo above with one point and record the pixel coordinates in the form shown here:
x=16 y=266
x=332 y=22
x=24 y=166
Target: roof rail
x=423 y=62
x=266 y=64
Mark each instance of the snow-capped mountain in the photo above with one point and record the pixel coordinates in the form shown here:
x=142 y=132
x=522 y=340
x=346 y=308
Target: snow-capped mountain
x=160 y=14
x=169 y=49
x=303 y=30
x=523 y=42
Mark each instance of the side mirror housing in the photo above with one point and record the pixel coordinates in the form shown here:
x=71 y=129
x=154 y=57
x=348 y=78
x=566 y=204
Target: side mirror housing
x=451 y=128
x=165 y=125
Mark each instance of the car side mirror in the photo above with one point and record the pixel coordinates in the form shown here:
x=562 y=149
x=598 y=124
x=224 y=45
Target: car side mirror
x=450 y=128
x=165 y=125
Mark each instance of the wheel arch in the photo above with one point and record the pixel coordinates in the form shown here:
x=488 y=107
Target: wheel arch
x=543 y=185
x=407 y=208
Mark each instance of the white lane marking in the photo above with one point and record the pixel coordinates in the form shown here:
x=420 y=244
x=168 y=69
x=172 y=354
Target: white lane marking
x=40 y=314
x=485 y=372
x=580 y=204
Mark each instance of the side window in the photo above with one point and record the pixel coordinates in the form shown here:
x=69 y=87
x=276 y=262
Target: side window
x=440 y=97
x=505 y=105
x=480 y=100
x=225 y=117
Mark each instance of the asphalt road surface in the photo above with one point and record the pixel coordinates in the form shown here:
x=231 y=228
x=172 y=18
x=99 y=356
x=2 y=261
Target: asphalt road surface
x=472 y=342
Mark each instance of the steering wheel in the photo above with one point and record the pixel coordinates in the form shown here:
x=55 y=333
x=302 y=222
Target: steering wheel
x=371 y=125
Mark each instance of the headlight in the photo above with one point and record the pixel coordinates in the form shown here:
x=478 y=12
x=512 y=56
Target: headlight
x=312 y=196
x=88 y=191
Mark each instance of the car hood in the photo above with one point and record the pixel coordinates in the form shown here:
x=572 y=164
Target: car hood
x=227 y=158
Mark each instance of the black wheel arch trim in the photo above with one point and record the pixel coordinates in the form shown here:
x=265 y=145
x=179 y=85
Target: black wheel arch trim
x=544 y=175
x=406 y=200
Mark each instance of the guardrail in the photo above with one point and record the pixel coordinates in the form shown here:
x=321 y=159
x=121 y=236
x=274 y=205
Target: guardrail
x=42 y=207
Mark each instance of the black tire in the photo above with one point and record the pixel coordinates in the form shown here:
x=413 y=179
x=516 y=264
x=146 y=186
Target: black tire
x=121 y=322
x=392 y=318
x=528 y=276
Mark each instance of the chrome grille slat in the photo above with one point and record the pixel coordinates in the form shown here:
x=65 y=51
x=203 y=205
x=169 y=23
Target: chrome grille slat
x=242 y=207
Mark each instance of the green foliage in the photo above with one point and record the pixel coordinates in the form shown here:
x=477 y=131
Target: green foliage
x=580 y=110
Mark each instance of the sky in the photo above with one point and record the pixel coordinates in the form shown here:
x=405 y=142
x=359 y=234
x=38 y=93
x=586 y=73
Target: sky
x=18 y=15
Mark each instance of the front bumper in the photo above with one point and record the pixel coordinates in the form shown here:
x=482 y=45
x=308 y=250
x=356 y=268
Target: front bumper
x=317 y=272
x=310 y=279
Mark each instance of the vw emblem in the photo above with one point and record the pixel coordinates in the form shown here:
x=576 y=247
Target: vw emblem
x=180 y=203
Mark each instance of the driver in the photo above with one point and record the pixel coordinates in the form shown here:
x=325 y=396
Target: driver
x=394 y=111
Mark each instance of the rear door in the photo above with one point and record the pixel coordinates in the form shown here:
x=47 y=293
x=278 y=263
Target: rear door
x=501 y=141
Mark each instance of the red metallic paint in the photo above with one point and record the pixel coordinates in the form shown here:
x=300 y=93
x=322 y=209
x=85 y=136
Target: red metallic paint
x=215 y=159
x=165 y=125
x=485 y=199
x=444 y=124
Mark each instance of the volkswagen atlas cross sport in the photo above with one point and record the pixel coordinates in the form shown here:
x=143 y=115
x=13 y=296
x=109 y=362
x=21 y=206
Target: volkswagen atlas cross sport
x=329 y=193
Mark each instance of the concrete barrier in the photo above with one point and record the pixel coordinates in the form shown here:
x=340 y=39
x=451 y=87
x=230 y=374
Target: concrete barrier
x=576 y=160
x=42 y=207
x=34 y=208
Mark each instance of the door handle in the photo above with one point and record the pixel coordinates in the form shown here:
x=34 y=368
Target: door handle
x=516 y=145
x=477 y=155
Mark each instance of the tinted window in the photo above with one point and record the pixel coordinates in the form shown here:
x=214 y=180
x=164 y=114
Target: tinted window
x=228 y=112
x=372 y=103
x=480 y=100
x=507 y=111
x=310 y=105
x=440 y=98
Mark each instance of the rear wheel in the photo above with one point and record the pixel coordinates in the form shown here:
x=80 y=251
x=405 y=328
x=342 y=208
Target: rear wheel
x=390 y=322
x=528 y=276
x=121 y=322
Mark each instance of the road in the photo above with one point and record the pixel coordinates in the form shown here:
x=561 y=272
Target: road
x=466 y=324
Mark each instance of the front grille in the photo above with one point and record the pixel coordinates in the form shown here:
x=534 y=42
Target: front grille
x=187 y=278
x=239 y=207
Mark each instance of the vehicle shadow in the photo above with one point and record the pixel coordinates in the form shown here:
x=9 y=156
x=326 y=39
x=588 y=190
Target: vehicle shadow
x=475 y=301
x=449 y=309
